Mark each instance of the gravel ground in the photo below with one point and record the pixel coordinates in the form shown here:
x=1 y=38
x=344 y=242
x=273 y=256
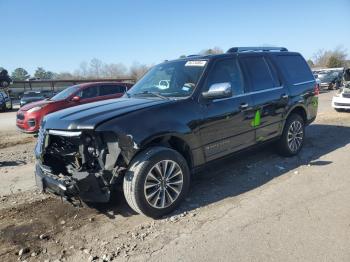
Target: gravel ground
x=257 y=206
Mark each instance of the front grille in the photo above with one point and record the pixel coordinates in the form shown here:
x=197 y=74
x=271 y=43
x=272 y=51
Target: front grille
x=20 y=116
x=341 y=104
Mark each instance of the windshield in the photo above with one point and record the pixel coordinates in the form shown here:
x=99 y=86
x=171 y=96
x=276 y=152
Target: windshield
x=65 y=93
x=173 y=79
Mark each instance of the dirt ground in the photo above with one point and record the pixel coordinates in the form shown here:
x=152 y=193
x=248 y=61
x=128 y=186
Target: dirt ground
x=256 y=206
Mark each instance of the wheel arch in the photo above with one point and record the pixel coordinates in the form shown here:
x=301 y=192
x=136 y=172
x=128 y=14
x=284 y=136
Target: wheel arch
x=300 y=110
x=297 y=109
x=173 y=141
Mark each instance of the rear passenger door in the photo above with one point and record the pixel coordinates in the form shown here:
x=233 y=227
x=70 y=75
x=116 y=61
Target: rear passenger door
x=270 y=97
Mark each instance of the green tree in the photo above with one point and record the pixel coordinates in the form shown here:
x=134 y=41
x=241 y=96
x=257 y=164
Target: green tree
x=334 y=61
x=212 y=51
x=326 y=58
x=310 y=63
x=43 y=74
x=40 y=73
x=20 y=74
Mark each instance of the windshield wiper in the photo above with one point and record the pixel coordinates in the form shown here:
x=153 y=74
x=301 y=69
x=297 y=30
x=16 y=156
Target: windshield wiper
x=151 y=93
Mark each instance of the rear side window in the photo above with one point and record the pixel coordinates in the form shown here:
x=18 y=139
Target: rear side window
x=111 y=89
x=295 y=68
x=259 y=73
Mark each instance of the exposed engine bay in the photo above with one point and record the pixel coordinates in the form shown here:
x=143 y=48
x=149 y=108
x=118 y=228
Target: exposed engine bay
x=79 y=164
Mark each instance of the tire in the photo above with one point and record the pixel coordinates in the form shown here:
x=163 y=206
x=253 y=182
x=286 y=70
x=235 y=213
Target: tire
x=294 y=127
x=141 y=170
x=338 y=109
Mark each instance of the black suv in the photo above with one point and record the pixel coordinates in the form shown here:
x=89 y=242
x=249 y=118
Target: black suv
x=181 y=115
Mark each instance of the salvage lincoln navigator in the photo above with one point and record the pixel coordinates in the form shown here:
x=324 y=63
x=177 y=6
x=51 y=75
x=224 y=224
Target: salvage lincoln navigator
x=181 y=115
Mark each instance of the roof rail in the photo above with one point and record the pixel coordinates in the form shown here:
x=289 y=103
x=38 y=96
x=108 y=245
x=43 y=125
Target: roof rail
x=255 y=49
x=192 y=55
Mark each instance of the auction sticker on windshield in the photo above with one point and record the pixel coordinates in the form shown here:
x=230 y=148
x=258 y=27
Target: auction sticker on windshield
x=196 y=63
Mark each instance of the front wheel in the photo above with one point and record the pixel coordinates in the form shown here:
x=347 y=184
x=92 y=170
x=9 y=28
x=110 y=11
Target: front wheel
x=292 y=139
x=156 y=182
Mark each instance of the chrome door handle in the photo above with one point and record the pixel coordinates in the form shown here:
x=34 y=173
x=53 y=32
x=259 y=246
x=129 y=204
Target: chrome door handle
x=243 y=106
x=284 y=96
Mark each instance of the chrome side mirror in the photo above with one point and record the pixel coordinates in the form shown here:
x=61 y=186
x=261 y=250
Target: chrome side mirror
x=218 y=90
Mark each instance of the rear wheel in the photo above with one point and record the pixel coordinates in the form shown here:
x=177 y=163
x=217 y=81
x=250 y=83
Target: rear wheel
x=292 y=139
x=156 y=182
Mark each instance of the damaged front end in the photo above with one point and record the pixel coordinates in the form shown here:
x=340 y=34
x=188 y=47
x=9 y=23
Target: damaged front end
x=85 y=165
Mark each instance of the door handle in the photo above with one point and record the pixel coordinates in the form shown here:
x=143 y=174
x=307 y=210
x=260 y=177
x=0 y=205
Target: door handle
x=243 y=106
x=284 y=96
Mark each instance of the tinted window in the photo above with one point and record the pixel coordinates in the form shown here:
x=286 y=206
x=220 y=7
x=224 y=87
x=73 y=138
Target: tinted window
x=111 y=89
x=227 y=71
x=295 y=68
x=259 y=73
x=89 y=92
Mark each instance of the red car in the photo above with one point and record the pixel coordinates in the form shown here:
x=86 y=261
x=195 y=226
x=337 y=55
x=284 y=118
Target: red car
x=30 y=116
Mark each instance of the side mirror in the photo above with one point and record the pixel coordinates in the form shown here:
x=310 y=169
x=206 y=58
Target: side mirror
x=219 y=90
x=76 y=98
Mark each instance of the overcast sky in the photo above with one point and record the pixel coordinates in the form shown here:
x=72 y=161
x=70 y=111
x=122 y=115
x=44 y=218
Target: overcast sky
x=59 y=35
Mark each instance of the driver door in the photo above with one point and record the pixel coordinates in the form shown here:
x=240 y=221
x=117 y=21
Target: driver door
x=226 y=125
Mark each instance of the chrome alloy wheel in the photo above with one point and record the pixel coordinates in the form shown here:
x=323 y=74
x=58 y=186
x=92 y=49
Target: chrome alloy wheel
x=163 y=184
x=295 y=136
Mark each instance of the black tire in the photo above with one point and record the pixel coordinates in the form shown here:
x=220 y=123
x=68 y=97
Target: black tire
x=339 y=109
x=284 y=147
x=134 y=185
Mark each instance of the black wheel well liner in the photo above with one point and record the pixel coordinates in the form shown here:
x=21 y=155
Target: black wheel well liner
x=300 y=111
x=173 y=142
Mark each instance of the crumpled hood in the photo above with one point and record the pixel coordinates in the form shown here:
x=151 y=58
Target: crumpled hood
x=88 y=116
x=37 y=103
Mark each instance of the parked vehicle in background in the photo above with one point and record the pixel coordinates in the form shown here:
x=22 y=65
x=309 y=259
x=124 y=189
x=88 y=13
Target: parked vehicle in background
x=330 y=78
x=153 y=138
x=33 y=96
x=5 y=79
x=5 y=101
x=341 y=101
x=29 y=116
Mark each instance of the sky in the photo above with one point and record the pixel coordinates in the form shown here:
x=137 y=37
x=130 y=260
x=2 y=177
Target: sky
x=60 y=34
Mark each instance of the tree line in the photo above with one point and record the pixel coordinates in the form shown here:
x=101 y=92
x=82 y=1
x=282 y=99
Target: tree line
x=95 y=68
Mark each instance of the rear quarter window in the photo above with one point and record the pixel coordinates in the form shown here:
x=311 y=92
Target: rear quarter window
x=295 y=68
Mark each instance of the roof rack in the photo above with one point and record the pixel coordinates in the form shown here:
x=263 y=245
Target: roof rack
x=255 y=49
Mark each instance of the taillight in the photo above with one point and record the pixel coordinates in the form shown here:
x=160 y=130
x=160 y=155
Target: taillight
x=317 y=90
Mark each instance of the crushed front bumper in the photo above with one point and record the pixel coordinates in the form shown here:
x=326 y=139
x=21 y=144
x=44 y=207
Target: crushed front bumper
x=82 y=185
